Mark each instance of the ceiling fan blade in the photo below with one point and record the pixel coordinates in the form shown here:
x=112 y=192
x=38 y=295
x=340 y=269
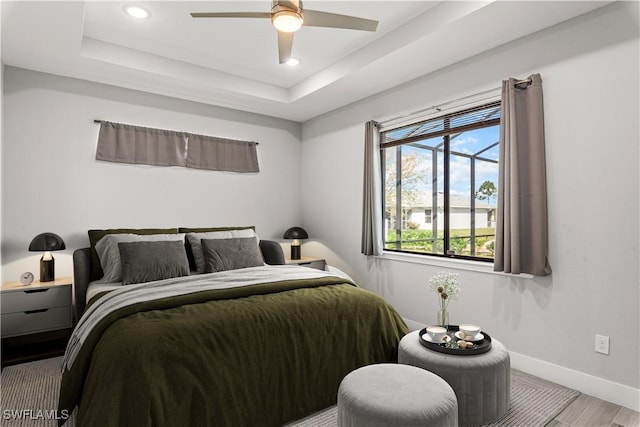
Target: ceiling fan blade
x=231 y=15
x=314 y=18
x=285 y=46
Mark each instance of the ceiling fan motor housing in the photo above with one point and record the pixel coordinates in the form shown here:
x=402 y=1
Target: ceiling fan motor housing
x=287 y=4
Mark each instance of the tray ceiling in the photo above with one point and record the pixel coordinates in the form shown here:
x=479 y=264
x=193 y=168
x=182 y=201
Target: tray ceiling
x=234 y=62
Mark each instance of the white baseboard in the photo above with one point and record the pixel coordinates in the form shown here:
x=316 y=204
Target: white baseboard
x=601 y=388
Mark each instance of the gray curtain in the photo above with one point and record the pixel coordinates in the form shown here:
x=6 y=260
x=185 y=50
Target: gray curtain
x=122 y=143
x=207 y=152
x=522 y=243
x=372 y=197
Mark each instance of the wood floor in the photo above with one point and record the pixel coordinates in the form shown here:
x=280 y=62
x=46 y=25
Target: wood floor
x=588 y=411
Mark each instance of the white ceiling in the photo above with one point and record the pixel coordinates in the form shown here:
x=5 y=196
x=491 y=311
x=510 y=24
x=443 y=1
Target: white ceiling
x=234 y=62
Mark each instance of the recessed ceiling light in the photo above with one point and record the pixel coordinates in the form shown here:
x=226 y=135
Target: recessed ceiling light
x=292 y=62
x=137 y=12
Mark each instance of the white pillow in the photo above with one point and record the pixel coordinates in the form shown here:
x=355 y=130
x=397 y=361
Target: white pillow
x=109 y=254
x=196 y=246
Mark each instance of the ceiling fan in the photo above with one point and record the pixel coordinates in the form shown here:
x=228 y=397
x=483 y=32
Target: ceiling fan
x=288 y=16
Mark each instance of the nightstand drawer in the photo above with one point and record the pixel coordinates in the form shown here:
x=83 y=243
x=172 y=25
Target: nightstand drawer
x=35 y=299
x=31 y=321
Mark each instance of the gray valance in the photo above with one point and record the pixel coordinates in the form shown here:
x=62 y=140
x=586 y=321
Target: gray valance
x=124 y=143
x=207 y=152
x=139 y=145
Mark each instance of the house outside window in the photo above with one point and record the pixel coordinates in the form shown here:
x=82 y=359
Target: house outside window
x=440 y=177
x=491 y=218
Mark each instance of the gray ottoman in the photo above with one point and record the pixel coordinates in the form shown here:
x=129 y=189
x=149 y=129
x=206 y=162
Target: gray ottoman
x=395 y=395
x=482 y=382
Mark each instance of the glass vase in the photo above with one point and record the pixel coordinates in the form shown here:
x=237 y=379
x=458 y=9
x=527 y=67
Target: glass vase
x=443 y=318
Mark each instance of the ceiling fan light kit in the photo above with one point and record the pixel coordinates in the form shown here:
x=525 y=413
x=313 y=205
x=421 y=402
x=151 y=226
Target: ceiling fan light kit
x=287 y=17
x=287 y=21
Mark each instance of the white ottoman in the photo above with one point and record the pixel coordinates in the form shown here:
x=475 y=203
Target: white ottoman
x=482 y=382
x=389 y=394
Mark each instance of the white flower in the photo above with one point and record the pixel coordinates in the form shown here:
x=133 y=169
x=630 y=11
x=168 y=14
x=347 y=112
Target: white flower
x=446 y=285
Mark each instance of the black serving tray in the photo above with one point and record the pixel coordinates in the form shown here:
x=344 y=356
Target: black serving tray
x=451 y=347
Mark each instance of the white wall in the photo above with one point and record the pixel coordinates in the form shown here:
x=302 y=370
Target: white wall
x=590 y=70
x=52 y=182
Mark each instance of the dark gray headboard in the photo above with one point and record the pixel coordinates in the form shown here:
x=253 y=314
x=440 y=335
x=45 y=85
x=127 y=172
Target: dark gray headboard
x=271 y=252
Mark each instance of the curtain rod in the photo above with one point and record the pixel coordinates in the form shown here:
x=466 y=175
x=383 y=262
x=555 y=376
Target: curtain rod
x=527 y=81
x=438 y=107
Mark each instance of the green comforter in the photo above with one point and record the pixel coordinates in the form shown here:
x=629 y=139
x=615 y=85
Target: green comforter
x=259 y=355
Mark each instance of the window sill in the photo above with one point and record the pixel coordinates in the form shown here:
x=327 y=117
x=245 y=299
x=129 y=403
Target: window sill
x=458 y=264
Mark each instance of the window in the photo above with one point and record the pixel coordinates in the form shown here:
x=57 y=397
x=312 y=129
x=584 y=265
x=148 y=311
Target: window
x=427 y=216
x=440 y=179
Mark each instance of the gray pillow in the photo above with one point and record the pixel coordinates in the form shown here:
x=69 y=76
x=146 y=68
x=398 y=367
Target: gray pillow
x=230 y=254
x=109 y=253
x=148 y=261
x=196 y=248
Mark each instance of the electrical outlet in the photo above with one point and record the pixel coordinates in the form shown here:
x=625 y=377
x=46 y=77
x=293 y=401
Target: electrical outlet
x=602 y=344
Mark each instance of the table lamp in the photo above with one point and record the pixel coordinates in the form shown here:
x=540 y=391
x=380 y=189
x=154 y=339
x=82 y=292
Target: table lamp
x=47 y=242
x=295 y=233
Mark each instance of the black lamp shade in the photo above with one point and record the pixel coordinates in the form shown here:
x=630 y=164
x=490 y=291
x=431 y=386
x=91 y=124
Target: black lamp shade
x=47 y=242
x=295 y=233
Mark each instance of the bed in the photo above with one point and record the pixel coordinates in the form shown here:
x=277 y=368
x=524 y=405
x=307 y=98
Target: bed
x=251 y=343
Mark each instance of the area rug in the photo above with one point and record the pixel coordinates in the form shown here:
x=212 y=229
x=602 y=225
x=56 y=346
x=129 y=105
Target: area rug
x=29 y=397
x=534 y=403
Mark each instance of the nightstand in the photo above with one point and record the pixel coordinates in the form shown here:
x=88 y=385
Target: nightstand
x=317 y=263
x=39 y=307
